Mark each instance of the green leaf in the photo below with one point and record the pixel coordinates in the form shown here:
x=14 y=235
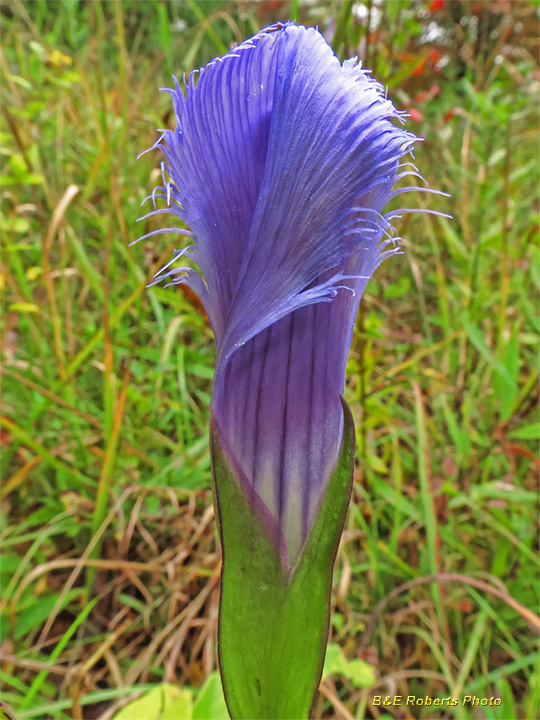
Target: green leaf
x=527 y=432
x=398 y=288
x=377 y=464
x=478 y=494
x=164 y=702
x=454 y=242
x=38 y=49
x=24 y=307
x=359 y=672
x=507 y=389
x=181 y=708
x=210 y=702
x=273 y=627
x=460 y=437
x=9 y=564
x=34 y=615
x=478 y=340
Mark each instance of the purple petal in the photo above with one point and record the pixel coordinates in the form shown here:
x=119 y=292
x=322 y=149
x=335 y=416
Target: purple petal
x=281 y=163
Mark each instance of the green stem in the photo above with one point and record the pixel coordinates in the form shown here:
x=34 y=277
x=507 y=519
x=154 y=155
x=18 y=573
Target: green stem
x=273 y=624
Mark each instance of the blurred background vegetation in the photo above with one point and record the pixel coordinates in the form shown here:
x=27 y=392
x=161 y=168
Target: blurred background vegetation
x=109 y=567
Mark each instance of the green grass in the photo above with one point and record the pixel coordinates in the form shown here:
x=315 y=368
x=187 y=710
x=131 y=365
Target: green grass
x=109 y=555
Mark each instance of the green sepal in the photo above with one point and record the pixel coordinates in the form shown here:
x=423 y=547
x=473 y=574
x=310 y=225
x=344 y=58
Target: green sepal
x=273 y=624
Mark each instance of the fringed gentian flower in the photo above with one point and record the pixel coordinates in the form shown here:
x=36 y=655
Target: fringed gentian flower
x=281 y=164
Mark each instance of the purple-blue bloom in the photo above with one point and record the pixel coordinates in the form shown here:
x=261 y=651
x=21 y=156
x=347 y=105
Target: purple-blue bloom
x=281 y=164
